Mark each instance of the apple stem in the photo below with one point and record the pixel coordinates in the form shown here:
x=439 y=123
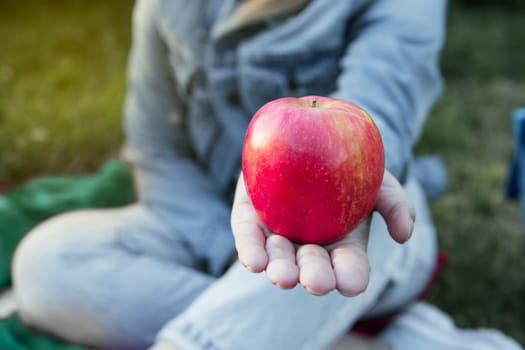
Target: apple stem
x=314 y=103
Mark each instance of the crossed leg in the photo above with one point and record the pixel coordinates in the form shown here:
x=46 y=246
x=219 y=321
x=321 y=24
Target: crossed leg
x=108 y=278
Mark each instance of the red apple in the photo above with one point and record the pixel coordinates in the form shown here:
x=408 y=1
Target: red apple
x=312 y=167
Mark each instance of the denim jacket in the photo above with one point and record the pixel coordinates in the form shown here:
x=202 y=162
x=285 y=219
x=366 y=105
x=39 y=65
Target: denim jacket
x=192 y=91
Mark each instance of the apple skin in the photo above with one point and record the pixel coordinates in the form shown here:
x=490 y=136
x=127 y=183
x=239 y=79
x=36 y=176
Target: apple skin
x=312 y=167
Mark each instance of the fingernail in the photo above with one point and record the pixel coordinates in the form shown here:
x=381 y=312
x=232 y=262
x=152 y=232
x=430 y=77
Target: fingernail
x=410 y=228
x=246 y=266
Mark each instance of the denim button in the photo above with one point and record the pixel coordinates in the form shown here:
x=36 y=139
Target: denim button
x=233 y=98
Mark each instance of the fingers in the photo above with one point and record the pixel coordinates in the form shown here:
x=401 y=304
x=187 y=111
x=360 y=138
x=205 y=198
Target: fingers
x=316 y=273
x=393 y=204
x=350 y=262
x=282 y=269
x=249 y=236
x=342 y=265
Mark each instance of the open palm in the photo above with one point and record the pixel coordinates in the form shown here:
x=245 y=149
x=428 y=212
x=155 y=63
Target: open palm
x=341 y=266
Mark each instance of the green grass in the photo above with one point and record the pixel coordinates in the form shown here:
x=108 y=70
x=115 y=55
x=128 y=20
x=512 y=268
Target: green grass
x=62 y=84
x=62 y=80
x=483 y=283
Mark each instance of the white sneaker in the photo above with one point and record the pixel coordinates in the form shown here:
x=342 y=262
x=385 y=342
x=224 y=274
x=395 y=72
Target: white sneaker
x=7 y=304
x=424 y=327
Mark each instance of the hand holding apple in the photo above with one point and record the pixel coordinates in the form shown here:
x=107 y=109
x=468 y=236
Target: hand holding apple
x=342 y=265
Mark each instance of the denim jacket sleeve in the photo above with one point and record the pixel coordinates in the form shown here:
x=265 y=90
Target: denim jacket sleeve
x=165 y=173
x=391 y=68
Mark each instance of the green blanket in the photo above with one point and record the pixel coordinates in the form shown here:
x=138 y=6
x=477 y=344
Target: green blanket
x=25 y=206
x=14 y=336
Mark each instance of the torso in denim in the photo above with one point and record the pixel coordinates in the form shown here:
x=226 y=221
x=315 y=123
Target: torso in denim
x=226 y=79
x=382 y=55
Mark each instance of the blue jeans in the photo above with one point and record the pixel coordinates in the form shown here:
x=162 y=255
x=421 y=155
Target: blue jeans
x=122 y=277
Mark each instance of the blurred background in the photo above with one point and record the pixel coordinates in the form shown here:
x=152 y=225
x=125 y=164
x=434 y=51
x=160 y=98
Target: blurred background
x=62 y=84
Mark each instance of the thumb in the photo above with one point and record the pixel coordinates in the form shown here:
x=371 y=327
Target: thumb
x=394 y=206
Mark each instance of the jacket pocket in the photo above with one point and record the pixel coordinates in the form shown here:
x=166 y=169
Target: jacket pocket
x=203 y=129
x=292 y=76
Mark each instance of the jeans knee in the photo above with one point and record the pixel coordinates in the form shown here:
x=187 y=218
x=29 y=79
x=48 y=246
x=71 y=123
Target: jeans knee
x=39 y=275
x=31 y=266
